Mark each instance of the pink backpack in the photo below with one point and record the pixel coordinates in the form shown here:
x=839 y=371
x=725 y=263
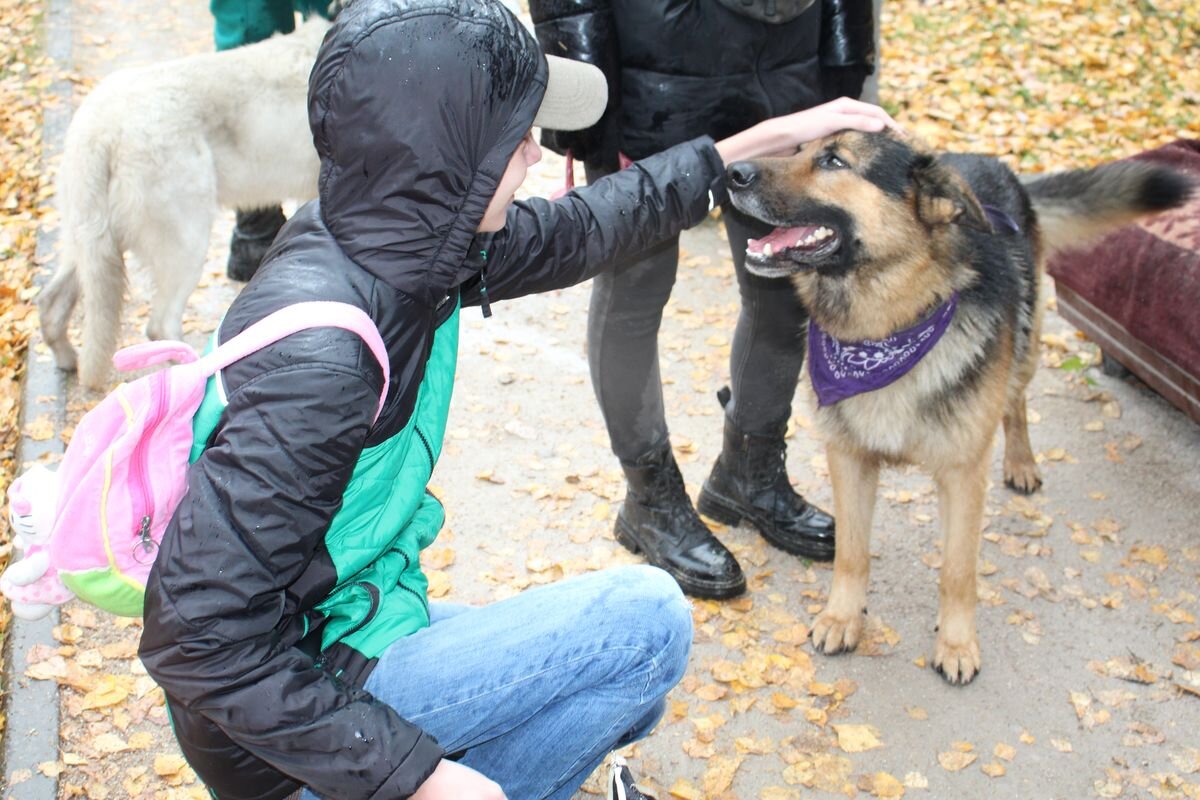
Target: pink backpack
x=92 y=528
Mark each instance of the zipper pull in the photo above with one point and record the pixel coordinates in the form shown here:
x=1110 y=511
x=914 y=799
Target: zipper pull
x=144 y=549
x=484 y=305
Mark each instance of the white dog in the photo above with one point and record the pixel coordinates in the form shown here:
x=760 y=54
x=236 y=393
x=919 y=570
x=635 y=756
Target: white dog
x=149 y=157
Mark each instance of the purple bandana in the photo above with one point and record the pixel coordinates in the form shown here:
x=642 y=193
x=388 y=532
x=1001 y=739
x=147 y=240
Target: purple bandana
x=843 y=369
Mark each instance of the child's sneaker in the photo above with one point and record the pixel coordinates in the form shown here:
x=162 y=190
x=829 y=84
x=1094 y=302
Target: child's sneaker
x=621 y=785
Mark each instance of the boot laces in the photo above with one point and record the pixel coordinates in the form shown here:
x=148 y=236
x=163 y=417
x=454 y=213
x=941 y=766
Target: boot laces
x=769 y=469
x=687 y=526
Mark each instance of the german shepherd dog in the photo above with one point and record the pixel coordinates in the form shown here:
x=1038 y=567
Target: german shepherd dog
x=883 y=238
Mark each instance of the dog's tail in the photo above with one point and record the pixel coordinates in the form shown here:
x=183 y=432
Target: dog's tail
x=1075 y=208
x=91 y=262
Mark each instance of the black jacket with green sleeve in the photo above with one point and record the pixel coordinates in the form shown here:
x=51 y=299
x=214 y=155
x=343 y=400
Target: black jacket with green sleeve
x=278 y=581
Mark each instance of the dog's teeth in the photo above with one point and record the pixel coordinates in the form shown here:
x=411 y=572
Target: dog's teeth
x=768 y=250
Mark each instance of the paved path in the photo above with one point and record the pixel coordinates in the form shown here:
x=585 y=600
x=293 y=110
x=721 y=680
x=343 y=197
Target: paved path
x=1089 y=590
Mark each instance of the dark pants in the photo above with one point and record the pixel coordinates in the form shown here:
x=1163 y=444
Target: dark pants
x=623 y=321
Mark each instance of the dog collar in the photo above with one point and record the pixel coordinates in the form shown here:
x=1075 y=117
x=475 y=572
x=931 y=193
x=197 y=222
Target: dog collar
x=843 y=369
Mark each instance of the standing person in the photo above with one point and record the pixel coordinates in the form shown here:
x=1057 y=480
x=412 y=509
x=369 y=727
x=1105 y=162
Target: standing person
x=677 y=70
x=870 y=89
x=286 y=616
x=239 y=22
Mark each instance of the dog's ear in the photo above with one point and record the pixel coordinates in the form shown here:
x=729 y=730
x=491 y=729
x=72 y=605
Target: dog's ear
x=943 y=197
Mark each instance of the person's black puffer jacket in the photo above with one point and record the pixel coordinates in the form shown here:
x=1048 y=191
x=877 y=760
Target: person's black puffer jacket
x=416 y=107
x=678 y=69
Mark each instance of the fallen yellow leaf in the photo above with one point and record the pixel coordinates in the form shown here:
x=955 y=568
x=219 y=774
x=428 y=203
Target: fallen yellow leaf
x=685 y=790
x=857 y=738
x=168 y=765
x=720 y=773
x=886 y=785
x=954 y=760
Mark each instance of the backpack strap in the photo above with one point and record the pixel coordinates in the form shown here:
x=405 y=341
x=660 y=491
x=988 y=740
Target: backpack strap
x=293 y=319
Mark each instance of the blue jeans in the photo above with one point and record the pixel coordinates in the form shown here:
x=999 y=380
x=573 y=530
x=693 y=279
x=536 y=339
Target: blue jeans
x=539 y=688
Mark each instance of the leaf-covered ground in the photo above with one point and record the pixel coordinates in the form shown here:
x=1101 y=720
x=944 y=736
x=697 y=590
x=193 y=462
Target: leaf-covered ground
x=24 y=77
x=1047 y=84
x=1071 y=580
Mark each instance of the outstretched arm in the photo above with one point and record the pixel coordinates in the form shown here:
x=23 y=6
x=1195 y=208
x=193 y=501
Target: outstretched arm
x=550 y=245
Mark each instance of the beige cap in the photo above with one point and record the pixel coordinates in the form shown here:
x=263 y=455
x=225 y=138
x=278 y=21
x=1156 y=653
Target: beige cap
x=576 y=94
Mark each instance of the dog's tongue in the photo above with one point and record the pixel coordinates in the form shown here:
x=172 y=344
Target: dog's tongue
x=781 y=239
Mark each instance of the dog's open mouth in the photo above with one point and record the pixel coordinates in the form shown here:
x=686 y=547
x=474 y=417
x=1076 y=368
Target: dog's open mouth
x=786 y=250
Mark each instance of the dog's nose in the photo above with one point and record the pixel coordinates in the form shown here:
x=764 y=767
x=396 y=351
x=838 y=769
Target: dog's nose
x=742 y=174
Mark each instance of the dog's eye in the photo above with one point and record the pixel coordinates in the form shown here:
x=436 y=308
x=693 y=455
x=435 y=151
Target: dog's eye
x=831 y=161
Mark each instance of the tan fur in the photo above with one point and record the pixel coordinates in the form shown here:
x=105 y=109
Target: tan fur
x=904 y=266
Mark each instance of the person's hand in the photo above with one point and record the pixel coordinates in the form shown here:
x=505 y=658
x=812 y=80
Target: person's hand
x=836 y=115
x=783 y=135
x=453 y=781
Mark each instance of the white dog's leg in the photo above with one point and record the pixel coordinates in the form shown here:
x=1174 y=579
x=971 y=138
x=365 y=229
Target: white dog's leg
x=101 y=276
x=171 y=240
x=55 y=303
x=175 y=266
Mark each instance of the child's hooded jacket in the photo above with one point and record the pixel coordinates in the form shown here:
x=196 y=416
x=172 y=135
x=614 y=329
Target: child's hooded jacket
x=293 y=560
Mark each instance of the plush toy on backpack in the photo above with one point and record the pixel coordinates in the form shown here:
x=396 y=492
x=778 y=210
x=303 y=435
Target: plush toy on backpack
x=32 y=583
x=92 y=528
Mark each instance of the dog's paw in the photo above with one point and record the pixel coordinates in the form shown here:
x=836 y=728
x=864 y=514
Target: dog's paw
x=834 y=633
x=1022 y=477
x=65 y=357
x=957 y=662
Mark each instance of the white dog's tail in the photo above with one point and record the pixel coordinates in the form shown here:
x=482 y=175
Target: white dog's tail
x=90 y=257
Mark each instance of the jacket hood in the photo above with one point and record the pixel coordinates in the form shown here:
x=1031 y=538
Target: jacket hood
x=416 y=107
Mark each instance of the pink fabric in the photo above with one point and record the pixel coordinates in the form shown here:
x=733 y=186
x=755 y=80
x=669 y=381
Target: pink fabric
x=125 y=470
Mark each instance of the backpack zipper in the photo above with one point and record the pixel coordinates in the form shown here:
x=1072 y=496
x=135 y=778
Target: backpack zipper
x=144 y=541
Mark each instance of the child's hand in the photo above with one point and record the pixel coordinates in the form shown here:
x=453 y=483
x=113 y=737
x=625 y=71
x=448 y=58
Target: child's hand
x=453 y=781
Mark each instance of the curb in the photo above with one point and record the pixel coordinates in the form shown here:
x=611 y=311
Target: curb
x=32 y=707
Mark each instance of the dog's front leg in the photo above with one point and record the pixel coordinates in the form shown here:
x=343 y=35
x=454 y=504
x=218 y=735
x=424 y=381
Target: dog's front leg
x=855 y=478
x=961 y=492
x=1020 y=468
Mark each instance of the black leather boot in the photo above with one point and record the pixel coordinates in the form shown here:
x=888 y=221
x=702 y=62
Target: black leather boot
x=657 y=519
x=252 y=237
x=750 y=482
